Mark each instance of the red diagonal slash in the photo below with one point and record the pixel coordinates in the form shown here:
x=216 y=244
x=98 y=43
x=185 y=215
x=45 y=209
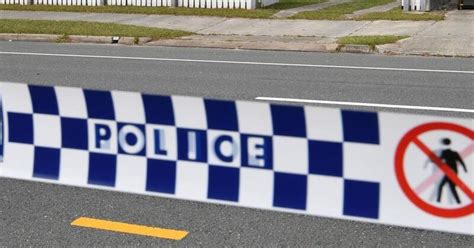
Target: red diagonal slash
x=447 y=171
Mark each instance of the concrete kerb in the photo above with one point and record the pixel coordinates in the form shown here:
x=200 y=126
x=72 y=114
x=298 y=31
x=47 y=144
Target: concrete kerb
x=30 y=37
x=89 y=39
x=286 y=43
x=75 y=39
x=108 y=39
x=309 y=44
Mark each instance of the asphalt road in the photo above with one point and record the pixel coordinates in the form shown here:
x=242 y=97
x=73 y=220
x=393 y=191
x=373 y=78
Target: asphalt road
x=36 y=214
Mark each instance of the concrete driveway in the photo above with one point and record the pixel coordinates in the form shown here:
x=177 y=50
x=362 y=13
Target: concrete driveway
x=452 y=37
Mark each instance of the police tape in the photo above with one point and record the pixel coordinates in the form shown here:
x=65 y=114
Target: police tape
x=399 y=169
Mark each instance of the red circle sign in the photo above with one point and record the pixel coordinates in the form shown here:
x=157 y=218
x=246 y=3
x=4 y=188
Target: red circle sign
x=412 y=137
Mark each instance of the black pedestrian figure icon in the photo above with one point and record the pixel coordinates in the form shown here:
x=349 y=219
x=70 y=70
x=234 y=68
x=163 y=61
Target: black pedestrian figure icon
x=451 y=159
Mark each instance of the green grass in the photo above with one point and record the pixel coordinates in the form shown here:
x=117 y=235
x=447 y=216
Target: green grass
x=258 y=13
x=370 y=40
x=337 y=12
x=85 y=28
x=288 y=4
x=397 y=14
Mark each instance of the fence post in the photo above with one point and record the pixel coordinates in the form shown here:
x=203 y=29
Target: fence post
x=423 y=5
x=406 y=5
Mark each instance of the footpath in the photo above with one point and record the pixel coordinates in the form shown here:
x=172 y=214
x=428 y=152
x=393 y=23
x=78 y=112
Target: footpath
x=451 y=37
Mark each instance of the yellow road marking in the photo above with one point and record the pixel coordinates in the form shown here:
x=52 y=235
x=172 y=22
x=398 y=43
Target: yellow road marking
x=130 y=228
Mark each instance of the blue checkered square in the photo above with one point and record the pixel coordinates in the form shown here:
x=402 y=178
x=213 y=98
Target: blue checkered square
x=46 y=163
x=74 y=133
x=44 y=100
x=289 y=191
x=99 y=104
x=325 y=158
x=223 y=183
x=221 y=115
x=102 y=169
x=20 y=128
x=361 y=127
x=161 y=176
x=158 y=109
x=288 y=120
x=361 y=199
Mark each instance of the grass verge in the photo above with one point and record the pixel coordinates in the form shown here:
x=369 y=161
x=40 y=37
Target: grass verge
x=85 y=28
x=288 y=4
x=370 y=40
x=396 y=14
x=337 y=12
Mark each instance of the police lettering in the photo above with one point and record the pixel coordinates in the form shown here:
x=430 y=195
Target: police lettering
x=165 y=142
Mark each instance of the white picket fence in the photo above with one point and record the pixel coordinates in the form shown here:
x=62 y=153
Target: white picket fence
x=413 y=5
x=230 y=4
x=218 y=4
x=19 y=2
x=70 y=2
x=422 y=5
x=214 y=4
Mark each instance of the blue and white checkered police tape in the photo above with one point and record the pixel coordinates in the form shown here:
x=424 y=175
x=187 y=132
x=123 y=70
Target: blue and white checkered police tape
x=320 y=161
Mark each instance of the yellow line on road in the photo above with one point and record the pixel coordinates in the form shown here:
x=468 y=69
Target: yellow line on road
x=130 y=228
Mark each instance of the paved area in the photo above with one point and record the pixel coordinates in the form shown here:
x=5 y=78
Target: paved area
x=37 y=214
x=452 y=37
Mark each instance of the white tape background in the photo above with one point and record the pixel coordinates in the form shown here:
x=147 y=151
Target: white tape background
x=368 y=162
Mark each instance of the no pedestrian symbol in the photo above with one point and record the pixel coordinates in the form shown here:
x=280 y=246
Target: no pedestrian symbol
x=445 y=178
